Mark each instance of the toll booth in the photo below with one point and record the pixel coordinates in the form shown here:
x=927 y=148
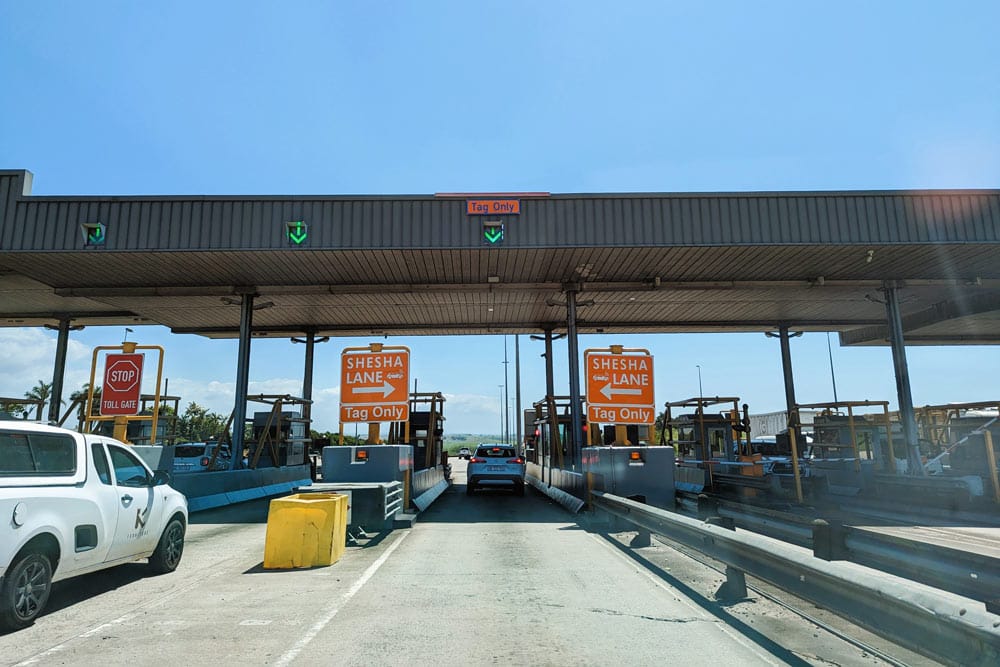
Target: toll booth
x=608 y=435
x=551 y=429
x=424 y=431
x=141 y=432
x=697 y=432
x=279 y=437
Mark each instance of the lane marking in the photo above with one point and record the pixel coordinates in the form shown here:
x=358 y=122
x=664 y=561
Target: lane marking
x=62 y=646
x=719 y=623
x=289 y=655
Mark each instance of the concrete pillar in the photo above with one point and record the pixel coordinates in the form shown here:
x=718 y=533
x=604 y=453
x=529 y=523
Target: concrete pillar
x=786 y=368
x=517 y=392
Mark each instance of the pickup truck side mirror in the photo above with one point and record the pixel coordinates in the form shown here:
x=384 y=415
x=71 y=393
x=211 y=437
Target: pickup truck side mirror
x=161 y=477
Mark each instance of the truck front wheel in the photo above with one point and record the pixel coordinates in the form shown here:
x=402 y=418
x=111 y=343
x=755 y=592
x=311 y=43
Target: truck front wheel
x=168 y=552
x=25 y=591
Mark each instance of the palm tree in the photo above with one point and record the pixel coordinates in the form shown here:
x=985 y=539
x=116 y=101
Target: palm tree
x=41 y=392
x=81 y=395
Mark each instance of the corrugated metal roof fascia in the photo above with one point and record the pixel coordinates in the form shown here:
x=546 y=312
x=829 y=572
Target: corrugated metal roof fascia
x=219 y=224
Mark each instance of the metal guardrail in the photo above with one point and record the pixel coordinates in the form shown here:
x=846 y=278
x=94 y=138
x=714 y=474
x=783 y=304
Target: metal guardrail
x=393 y=499
x=937 y=624
x=965 y=573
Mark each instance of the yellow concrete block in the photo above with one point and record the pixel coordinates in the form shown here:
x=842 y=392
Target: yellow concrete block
x=305 y=530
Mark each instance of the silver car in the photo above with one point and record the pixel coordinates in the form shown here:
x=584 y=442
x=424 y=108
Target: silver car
x=496 y=466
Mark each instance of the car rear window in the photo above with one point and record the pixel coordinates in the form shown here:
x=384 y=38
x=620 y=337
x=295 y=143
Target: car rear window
x=495 y=452
x=26 y=454
x=188 y=451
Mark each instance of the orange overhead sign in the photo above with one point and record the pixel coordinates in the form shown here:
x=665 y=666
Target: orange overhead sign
x=374 y=384
x=493 y=207
x=620 y=387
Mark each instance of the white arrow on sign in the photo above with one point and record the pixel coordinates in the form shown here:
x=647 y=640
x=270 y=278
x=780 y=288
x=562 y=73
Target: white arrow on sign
x=385 y=389
x=608 y=391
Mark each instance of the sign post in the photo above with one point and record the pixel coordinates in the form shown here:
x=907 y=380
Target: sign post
x=620 y=388
x=121 y=388
x=374 y=386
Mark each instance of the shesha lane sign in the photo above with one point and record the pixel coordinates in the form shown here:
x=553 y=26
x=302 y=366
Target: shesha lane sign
x=374 y=384
x=620 y=386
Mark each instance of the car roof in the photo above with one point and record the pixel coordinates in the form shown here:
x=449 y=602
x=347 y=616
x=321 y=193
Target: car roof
x=33 y=426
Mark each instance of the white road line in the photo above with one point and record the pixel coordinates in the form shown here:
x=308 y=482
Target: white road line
x=740 y=639
x=289 y=655
x=62 y=646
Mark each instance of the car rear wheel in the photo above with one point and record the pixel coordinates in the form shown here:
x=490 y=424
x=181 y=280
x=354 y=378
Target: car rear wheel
x=168 y=552
x=25 y=591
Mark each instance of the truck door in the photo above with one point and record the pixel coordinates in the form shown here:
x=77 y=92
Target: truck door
x=139 y=515
x=92 y=541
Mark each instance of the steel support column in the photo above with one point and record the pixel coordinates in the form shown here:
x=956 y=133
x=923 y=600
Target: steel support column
x=786 y=369
x=550 y=382
x=307 y=375
x=59 y=371
x=902 y=373
x=576 y=420
x=242 y=378
x=517 y=392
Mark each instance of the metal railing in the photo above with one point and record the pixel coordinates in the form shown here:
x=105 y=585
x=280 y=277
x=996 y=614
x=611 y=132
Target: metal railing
x=965 y=573
x=393 y=499
x=937 y=624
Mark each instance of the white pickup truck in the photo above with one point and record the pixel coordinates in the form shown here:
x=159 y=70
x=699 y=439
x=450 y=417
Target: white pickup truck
x=71 y=504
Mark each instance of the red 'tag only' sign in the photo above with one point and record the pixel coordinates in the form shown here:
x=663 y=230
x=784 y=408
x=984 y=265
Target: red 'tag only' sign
x=122 y=384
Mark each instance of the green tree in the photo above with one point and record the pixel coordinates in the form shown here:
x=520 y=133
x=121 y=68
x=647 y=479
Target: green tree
x=197 y=424
x=81 y=396
x=40 y=392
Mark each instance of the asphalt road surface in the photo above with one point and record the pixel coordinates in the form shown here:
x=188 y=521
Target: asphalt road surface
x=488 y=579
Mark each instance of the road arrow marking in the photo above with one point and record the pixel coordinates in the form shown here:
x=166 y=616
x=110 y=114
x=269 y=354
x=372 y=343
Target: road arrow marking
x=608 y=391
x=385 y=389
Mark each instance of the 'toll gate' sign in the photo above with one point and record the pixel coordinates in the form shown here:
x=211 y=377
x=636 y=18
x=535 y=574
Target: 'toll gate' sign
x=122 y=384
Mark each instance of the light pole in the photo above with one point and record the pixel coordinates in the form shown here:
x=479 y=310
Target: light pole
x=506 y=395
x=500 y=436
x=701 y=394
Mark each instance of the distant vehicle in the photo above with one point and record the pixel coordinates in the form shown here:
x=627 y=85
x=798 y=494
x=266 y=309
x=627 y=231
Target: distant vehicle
x=75 y=503
x=465 y=453
x=196 y=457
x=496 y=465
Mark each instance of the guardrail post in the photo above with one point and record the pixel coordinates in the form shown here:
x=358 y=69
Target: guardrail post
x=735 y=585
x=828 y=540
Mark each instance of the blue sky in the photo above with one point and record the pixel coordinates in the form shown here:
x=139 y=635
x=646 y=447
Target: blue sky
x=423 y=97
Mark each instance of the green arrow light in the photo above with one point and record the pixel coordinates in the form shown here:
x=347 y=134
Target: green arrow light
x=298 y=232
x=93 y=233
x=493 y=234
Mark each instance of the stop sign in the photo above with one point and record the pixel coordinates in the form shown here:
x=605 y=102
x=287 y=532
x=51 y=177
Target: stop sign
x=122 y=384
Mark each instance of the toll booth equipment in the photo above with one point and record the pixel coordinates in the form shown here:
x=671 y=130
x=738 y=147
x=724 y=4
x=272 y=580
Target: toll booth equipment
x=707 y=435
x=370 y=463
x=424 y=430
x=305 y=530
x=644 y=473
x=288 y=433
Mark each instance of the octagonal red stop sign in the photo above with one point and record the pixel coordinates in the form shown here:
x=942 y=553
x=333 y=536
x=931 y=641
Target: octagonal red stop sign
x=122 y=384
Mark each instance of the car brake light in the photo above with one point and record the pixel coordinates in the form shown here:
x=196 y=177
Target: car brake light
x=204 y=460
x=518 y=460
x=476 y=459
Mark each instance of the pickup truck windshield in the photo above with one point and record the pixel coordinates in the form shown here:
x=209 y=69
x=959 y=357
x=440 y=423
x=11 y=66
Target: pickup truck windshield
x=23 y=454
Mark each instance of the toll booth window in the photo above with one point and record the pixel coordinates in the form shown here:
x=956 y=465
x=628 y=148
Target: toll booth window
x=36 y=454
x=101 y=463
x=128 y=470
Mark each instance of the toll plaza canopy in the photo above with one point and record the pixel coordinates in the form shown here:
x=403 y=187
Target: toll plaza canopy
x=499 y=263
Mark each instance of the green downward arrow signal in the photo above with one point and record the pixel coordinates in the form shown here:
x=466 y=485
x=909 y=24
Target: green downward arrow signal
x=493 y=234
x=96 y=235
x=297 y=232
